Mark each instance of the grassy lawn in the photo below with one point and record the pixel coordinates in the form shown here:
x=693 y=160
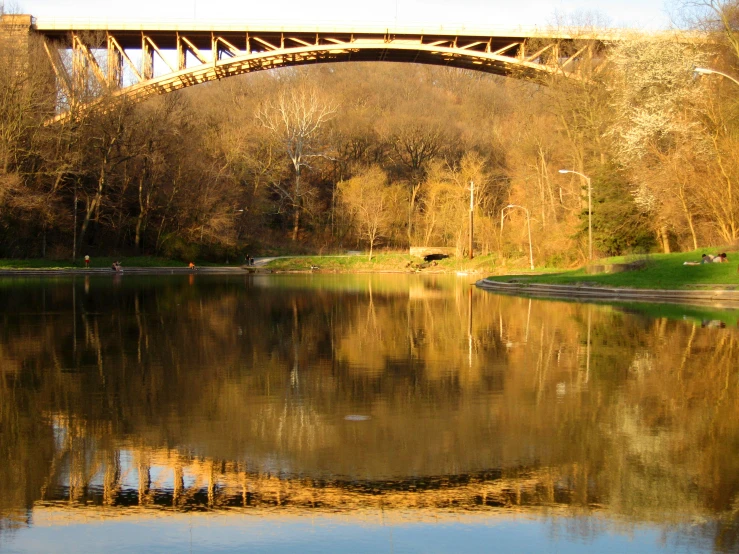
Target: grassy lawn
x=345 y=263
x=392 y=261
x=662 y=271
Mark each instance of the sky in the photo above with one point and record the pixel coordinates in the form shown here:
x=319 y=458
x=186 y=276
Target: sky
x=640 y=14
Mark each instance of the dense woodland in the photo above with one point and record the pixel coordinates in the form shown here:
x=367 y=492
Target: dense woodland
x=365 y=156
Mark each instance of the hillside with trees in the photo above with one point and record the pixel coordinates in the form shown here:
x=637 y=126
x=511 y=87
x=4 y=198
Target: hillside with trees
x=380 y=156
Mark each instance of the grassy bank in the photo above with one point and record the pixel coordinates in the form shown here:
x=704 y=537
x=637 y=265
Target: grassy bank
x=385 y=262
x=660 y=271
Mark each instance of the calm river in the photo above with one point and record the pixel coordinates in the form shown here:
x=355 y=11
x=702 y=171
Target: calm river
x=321 y=413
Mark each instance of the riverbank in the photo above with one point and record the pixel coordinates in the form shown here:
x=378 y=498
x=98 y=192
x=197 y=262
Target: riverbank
x=675 y=278
x=346 y=263
x=131 y=271
x=654 y=271
x=393 y=262
x=723 y=298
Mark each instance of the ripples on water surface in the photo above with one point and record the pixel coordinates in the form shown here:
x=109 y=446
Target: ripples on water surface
x=360 y=413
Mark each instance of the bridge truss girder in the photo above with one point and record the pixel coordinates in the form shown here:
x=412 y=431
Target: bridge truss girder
x=224 y=55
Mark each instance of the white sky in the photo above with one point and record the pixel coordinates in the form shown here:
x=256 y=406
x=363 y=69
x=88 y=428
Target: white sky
x=642 y=14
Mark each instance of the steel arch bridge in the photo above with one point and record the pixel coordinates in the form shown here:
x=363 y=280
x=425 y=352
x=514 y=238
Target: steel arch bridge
x=137 y=61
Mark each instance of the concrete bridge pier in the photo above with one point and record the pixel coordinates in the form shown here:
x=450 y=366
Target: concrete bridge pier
x=15 y=31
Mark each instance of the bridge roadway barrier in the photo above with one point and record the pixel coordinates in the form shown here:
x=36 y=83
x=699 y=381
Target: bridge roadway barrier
x=727 y=297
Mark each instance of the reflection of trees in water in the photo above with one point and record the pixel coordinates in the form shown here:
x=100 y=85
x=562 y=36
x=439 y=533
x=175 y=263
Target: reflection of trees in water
x=635 y=414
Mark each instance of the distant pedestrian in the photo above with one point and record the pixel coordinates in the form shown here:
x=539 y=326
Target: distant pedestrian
x=87 y=262
x=191 y=265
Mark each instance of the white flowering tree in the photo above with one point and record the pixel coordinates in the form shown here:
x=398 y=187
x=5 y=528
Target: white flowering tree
x=659 y=136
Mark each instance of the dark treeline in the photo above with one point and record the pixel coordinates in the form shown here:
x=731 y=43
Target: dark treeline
x=379 y=155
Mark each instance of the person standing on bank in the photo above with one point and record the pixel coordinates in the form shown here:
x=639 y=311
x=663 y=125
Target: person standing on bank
x=87 y=262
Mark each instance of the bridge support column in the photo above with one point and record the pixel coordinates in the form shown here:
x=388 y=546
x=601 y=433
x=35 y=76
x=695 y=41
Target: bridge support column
x=181 y=54
x=147 y=59
x=15 y=32
x=79 y=67
x=115 y=64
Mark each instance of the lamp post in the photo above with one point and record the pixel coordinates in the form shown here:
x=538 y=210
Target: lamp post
x=707 y=71
x=472 y=211
x=590 y=209
x=528 y=227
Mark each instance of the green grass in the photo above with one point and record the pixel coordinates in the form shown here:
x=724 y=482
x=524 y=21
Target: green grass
x=345 y=263
x=662 y=271
x=391 y=261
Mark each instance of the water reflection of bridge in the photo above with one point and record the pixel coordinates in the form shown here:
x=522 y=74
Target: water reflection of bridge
x=168 y=480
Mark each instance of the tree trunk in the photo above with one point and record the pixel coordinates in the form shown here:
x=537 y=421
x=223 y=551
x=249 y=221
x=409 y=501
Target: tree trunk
x=91 y=208
x=689 y=217
x=664 y=238
x=142 y=214
x=296 y=202
x=137 y=238
x=296 y=223
x=94 y=206
x=411 y=205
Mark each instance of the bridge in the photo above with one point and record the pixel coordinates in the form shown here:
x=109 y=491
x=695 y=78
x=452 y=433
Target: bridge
x=139 y=60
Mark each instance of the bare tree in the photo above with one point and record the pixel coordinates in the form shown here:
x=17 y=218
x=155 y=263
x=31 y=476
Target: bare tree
x=372 y=203
x=720 y=17
x=296 y=118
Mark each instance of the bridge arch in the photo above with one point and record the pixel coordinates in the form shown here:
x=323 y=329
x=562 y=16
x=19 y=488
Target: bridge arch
x=227 y=50
x=362 y=51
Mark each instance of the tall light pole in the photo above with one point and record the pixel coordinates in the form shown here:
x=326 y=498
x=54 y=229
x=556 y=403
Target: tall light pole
x=472 y=212
x=590 y=210
x=707 y=71
x=528 y=226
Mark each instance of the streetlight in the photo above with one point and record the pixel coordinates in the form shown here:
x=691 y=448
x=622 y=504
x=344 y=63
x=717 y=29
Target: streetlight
x=472 y=211
x=706 y=71
x=528 y=226
x=590 y=210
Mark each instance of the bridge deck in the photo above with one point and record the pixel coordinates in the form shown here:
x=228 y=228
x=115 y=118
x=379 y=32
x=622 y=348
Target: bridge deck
x=163 y=32
x=170 y=55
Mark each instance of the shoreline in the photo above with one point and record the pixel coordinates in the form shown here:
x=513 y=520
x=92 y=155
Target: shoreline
x=722 y=298
x=133 y=271
x=214 y=270
x=716 y=297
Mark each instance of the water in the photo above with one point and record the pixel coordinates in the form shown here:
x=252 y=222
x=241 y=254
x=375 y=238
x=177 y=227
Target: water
x=319 y=413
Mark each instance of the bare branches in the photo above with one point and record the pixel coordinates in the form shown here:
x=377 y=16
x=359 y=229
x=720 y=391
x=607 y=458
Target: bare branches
x=296 y=119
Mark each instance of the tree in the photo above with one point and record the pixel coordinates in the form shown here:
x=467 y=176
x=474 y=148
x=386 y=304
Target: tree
x=296 y=118
x=416 y=140
x=29 y=187
x=719 y=17
x=653 y=91
x=372 y=203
